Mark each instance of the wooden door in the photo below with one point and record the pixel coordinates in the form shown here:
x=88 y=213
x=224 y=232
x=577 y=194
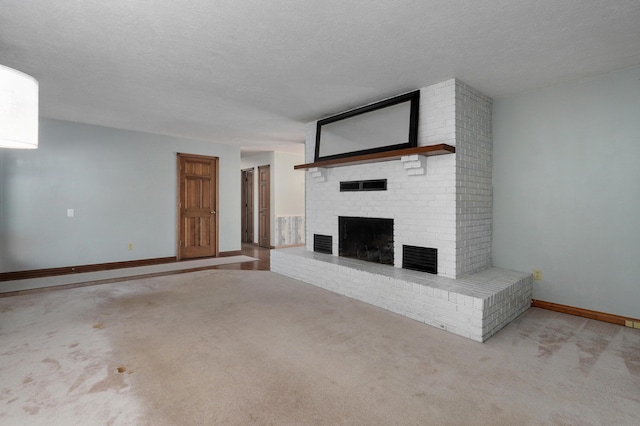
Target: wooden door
x=247 y=206
x=264 y=199
x=197 y=206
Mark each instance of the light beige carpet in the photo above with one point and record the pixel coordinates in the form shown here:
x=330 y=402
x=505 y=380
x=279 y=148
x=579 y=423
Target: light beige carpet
x=242 y=347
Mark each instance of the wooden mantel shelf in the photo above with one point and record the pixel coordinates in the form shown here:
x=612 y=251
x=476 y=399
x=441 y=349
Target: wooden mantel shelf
x=427 y=151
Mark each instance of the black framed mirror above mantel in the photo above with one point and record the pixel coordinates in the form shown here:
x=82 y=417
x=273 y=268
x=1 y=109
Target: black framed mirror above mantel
x=382 y=131
x=383 y=126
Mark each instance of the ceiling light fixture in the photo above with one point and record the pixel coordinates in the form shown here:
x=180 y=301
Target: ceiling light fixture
x=18 y=109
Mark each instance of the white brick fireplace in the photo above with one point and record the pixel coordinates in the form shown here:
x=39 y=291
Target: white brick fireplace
x=442 y=202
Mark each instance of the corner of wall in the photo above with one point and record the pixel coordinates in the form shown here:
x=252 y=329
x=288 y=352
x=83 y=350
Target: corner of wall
x=474 y=192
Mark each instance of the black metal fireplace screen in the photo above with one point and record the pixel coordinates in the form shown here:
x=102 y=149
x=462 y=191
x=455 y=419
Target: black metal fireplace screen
x=366 y=238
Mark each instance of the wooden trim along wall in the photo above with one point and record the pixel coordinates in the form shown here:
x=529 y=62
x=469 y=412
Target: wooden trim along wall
x=67 y=270
x=289 y=246
x=230 y=253
x=586 y=313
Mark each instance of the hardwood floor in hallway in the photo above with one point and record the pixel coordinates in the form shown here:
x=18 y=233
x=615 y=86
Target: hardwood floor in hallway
x=252 y=250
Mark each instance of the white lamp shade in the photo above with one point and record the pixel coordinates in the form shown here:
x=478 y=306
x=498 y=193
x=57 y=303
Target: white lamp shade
x=18 y=109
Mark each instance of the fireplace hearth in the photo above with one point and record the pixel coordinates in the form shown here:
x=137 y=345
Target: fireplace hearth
x=366 y=238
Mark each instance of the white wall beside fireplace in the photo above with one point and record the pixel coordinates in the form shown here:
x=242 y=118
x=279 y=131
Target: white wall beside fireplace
x=447 y=208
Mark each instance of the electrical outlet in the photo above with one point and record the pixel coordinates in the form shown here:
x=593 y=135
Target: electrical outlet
x=537 y=274
x=130 y=246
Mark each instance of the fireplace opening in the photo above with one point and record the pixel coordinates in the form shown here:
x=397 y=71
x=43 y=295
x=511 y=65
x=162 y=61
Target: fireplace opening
x=366 y=238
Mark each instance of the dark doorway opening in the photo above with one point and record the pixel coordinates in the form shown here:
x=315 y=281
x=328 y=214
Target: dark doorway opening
x=247 y=205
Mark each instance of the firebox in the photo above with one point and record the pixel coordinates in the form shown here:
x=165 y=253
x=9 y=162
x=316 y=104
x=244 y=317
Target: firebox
x=366 y=238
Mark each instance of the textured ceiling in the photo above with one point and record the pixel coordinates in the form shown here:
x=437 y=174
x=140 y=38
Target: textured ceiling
x=252 y=72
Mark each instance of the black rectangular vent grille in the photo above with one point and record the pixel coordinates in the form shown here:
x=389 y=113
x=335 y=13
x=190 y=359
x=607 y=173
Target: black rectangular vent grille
x=363 y=185
x=423 y=259
x=323 y=243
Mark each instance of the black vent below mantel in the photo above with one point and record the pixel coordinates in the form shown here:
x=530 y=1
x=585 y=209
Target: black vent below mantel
x=424 y=259
x=363 y=185
x=323 y=243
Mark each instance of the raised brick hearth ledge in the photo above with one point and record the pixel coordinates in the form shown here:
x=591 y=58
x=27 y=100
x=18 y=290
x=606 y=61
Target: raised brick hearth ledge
x=475 y=306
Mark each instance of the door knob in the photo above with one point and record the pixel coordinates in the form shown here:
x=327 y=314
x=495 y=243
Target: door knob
x=213 y=212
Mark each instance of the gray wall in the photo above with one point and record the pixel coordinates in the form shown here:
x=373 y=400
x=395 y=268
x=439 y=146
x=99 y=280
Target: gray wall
x=122 y=186
x=567 y=191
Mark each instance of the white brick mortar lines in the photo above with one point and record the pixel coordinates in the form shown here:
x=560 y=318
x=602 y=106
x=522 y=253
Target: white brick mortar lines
x=436 y=124
x=318 y=174
x=414 y=164
x=421 y=199
x=475 y=307
x=309 y=153
x=474 y=147
x=422 y=207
